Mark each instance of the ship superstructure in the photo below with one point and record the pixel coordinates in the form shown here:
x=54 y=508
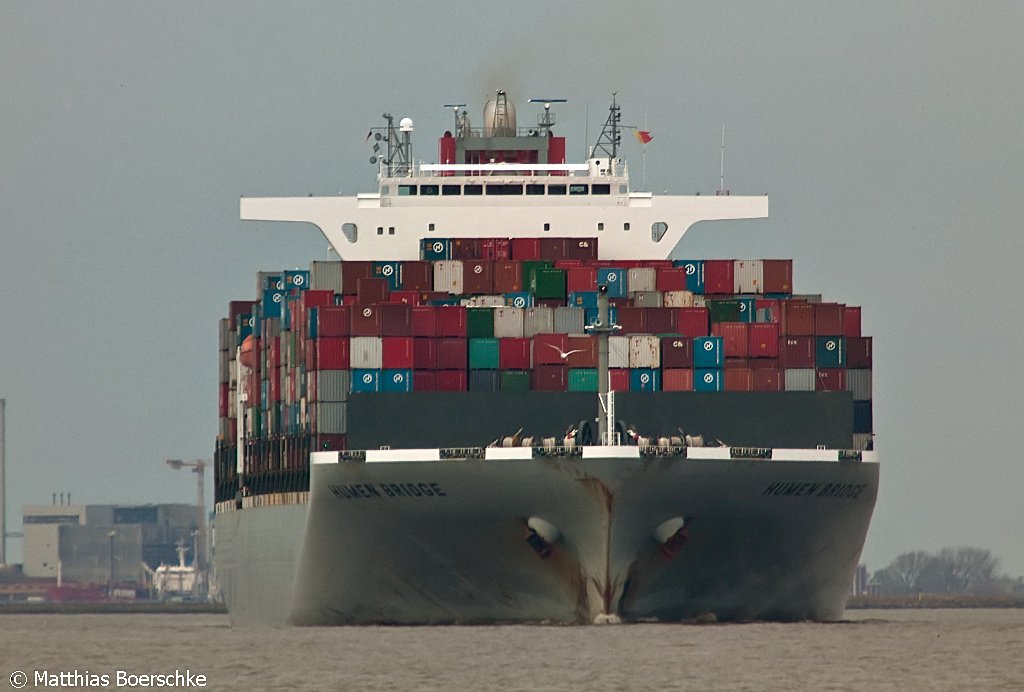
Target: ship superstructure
x=428 y=430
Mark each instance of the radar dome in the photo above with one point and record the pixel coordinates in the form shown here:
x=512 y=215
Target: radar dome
x=405 y=125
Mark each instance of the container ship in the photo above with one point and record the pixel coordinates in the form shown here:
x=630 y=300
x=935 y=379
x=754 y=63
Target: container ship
x=506 y=402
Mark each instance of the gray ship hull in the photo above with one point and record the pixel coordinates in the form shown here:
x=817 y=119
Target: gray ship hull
x=559 y=540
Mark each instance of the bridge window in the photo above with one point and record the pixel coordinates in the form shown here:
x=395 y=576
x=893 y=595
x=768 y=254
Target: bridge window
x=625 y=226
x=504 y=189
x=600 y=189
x=380 y=230
x=535 y=189
x=658 y=230
x=448 y=190
x=406 y=190
x=556 y=189
x=578 y=189
x=547 y=227
x=349 y=230
x=472 y=189
x=430 y=226
x=600 y=225
x=430 y=190
x=391 y=230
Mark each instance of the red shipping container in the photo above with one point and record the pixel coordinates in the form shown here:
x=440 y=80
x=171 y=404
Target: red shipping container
x=772 y=308
x=581 y=249
x=366 y=320
x=424 y=353
x=451 y=320
x=405 y=297
x=274 y=380
x=316 y=298
x=618 y=379
x=769 y=380
x=331 y=442
x=777 y=276
x=568 y=263
x=676 y=353
x=397 y=352
x=796 y=351
x=719 y=277
x=239 y=307
x=273 y=351
x=451 y=380
x=508 y=277
x=851 y=321
x=495 y=249
x=691 y=322
x=739 y=380
x=333 y=320
x=514 y=354
x=660 y=320
x=830 y=380
x=525 y=248
x=548 y=349
x=424 y=320
x=858 y=352
x=332 y=353
x=736 y=363
x=395 y=319
x=309 y=353
x=580 y=279
x=763 y=341
x=424 y=381
x=677 y=380
x=550 y=378
x=417 y=276
x=477 y=277
x=351 y=272
x=735 y=338
x=552 y=249
x=797 y=319
x=632 y=320
x=224 y=391
x=371 y=291
x=670 y=279
x=452 y=353
x=828 y=319
x=582 y=352
x=466 y=248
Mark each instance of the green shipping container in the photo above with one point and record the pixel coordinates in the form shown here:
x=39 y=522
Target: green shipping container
x=724 y=311
x=515 y=381
x=531 y=266
x=583 y=379
x=480 y=323
x=548 y=284
x=483 y=354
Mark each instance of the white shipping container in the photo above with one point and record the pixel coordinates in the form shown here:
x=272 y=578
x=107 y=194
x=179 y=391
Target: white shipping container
x=538 y=321
x=800 y=379
x=569 y=320
x=748 y=276
x=224 y=362
x=644 y=351
x=618 y=351
x=448 y=276
x=647 y=299
x=677 y=299
x=366 y=352
x=508 y=323
x=232 y=403
x=642 y=279
x=333 y=385
x=483 y=301
x=325 y=276
x=225 y=340
x=330 y=417
x=858 y=382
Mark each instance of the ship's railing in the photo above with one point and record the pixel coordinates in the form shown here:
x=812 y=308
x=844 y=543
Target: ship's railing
x=576 y=451
x=619 y=169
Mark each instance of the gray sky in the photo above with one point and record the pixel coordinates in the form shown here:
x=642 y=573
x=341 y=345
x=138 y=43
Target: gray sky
x=888 y=135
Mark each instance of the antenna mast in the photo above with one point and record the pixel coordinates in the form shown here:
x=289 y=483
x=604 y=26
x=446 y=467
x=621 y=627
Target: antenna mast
x=3 y=482
x=721 y=179
x=609 y=139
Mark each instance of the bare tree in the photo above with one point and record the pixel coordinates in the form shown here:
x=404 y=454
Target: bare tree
x=904 y=575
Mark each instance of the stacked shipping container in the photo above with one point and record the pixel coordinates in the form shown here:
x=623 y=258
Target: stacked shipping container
x=495 y=314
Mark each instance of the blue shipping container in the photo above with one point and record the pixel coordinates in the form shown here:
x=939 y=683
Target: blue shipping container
x=244 y=326
x=708 y=380
x=365 y=381
x=748 y=309
x=296 y=279
x=312 y=328
x=396 y=381
x=390 y=271
x=432 y=249
x=708 y=352
x=694 y=274
x=615 y=280
x=590 y=315
x=830 y=352
x=521 y=299
x=271 y=304
x=644 y=380
x=583 y=299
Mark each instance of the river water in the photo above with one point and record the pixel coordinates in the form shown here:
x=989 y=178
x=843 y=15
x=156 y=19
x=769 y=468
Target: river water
x=873 y=650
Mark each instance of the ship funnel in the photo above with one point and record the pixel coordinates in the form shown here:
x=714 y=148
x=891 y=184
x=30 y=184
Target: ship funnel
x=499 y=117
